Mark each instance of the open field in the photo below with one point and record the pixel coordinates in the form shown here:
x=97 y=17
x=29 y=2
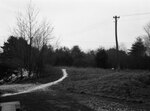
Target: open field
x=125 y=85
x=86 y=89
x=46 y=100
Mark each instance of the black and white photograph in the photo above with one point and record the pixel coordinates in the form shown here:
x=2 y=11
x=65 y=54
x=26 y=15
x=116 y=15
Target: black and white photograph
x=75 y=55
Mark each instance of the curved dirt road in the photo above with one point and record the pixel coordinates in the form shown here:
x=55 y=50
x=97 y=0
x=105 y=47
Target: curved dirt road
x=40 y=86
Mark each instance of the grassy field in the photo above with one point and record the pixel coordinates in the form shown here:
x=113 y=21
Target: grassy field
x=128 y=85
x=46 y=100
x=43 y=99
x=85 y=89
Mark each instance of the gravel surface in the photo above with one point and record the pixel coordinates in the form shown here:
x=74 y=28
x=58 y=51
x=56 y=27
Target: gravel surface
x=102 y=104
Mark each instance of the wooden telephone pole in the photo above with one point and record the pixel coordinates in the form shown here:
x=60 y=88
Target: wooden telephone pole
x=117 y=49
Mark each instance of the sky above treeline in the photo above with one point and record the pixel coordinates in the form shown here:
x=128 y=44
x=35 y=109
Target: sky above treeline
x=87 y=23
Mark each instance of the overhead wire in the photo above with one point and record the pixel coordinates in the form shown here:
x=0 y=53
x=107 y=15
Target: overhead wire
x=136 y=14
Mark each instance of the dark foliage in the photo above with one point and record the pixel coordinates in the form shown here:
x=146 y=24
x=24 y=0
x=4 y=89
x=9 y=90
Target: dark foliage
x=15 y=52
x=78 y=56
x=101 y=58
x=15 y=56
x=6 y=70
x=112 y=58
x=137 y=55
x=138 y=49
x=63 y=57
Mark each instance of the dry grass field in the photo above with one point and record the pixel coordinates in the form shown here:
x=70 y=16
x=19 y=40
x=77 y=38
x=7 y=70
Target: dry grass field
x=90 y=89
x=129 y=85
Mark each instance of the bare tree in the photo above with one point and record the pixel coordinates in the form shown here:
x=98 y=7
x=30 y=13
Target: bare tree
x=36 y=33
x=28 y=26
x=43 y=35
x=147 y=38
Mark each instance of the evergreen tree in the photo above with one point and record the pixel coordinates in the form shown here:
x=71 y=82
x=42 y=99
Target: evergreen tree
x=137 y=55
x=15 y=53
x=78 y=56
x=138 y=49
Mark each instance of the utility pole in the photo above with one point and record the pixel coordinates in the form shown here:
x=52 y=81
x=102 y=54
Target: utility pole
x=117 y=49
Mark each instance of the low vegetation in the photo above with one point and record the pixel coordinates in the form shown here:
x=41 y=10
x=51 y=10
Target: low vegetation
x=127 y=85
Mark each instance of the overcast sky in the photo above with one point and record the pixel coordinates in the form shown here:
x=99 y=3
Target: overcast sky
x=87 y=23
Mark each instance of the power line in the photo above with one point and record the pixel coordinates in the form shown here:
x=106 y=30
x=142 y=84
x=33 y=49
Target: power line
x=136 y=14
x=94 y=41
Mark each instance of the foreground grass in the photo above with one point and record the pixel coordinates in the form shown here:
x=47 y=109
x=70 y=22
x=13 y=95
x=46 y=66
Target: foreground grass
x=126 y=85
x=42 y=99
x=46 y=100
x=84 y=89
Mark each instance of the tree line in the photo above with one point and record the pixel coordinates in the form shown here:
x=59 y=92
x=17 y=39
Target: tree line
x=16 y=56
x=28 y=49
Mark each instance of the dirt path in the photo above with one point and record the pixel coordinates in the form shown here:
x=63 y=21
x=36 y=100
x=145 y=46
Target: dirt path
x=40 y=86
x=42 y=98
